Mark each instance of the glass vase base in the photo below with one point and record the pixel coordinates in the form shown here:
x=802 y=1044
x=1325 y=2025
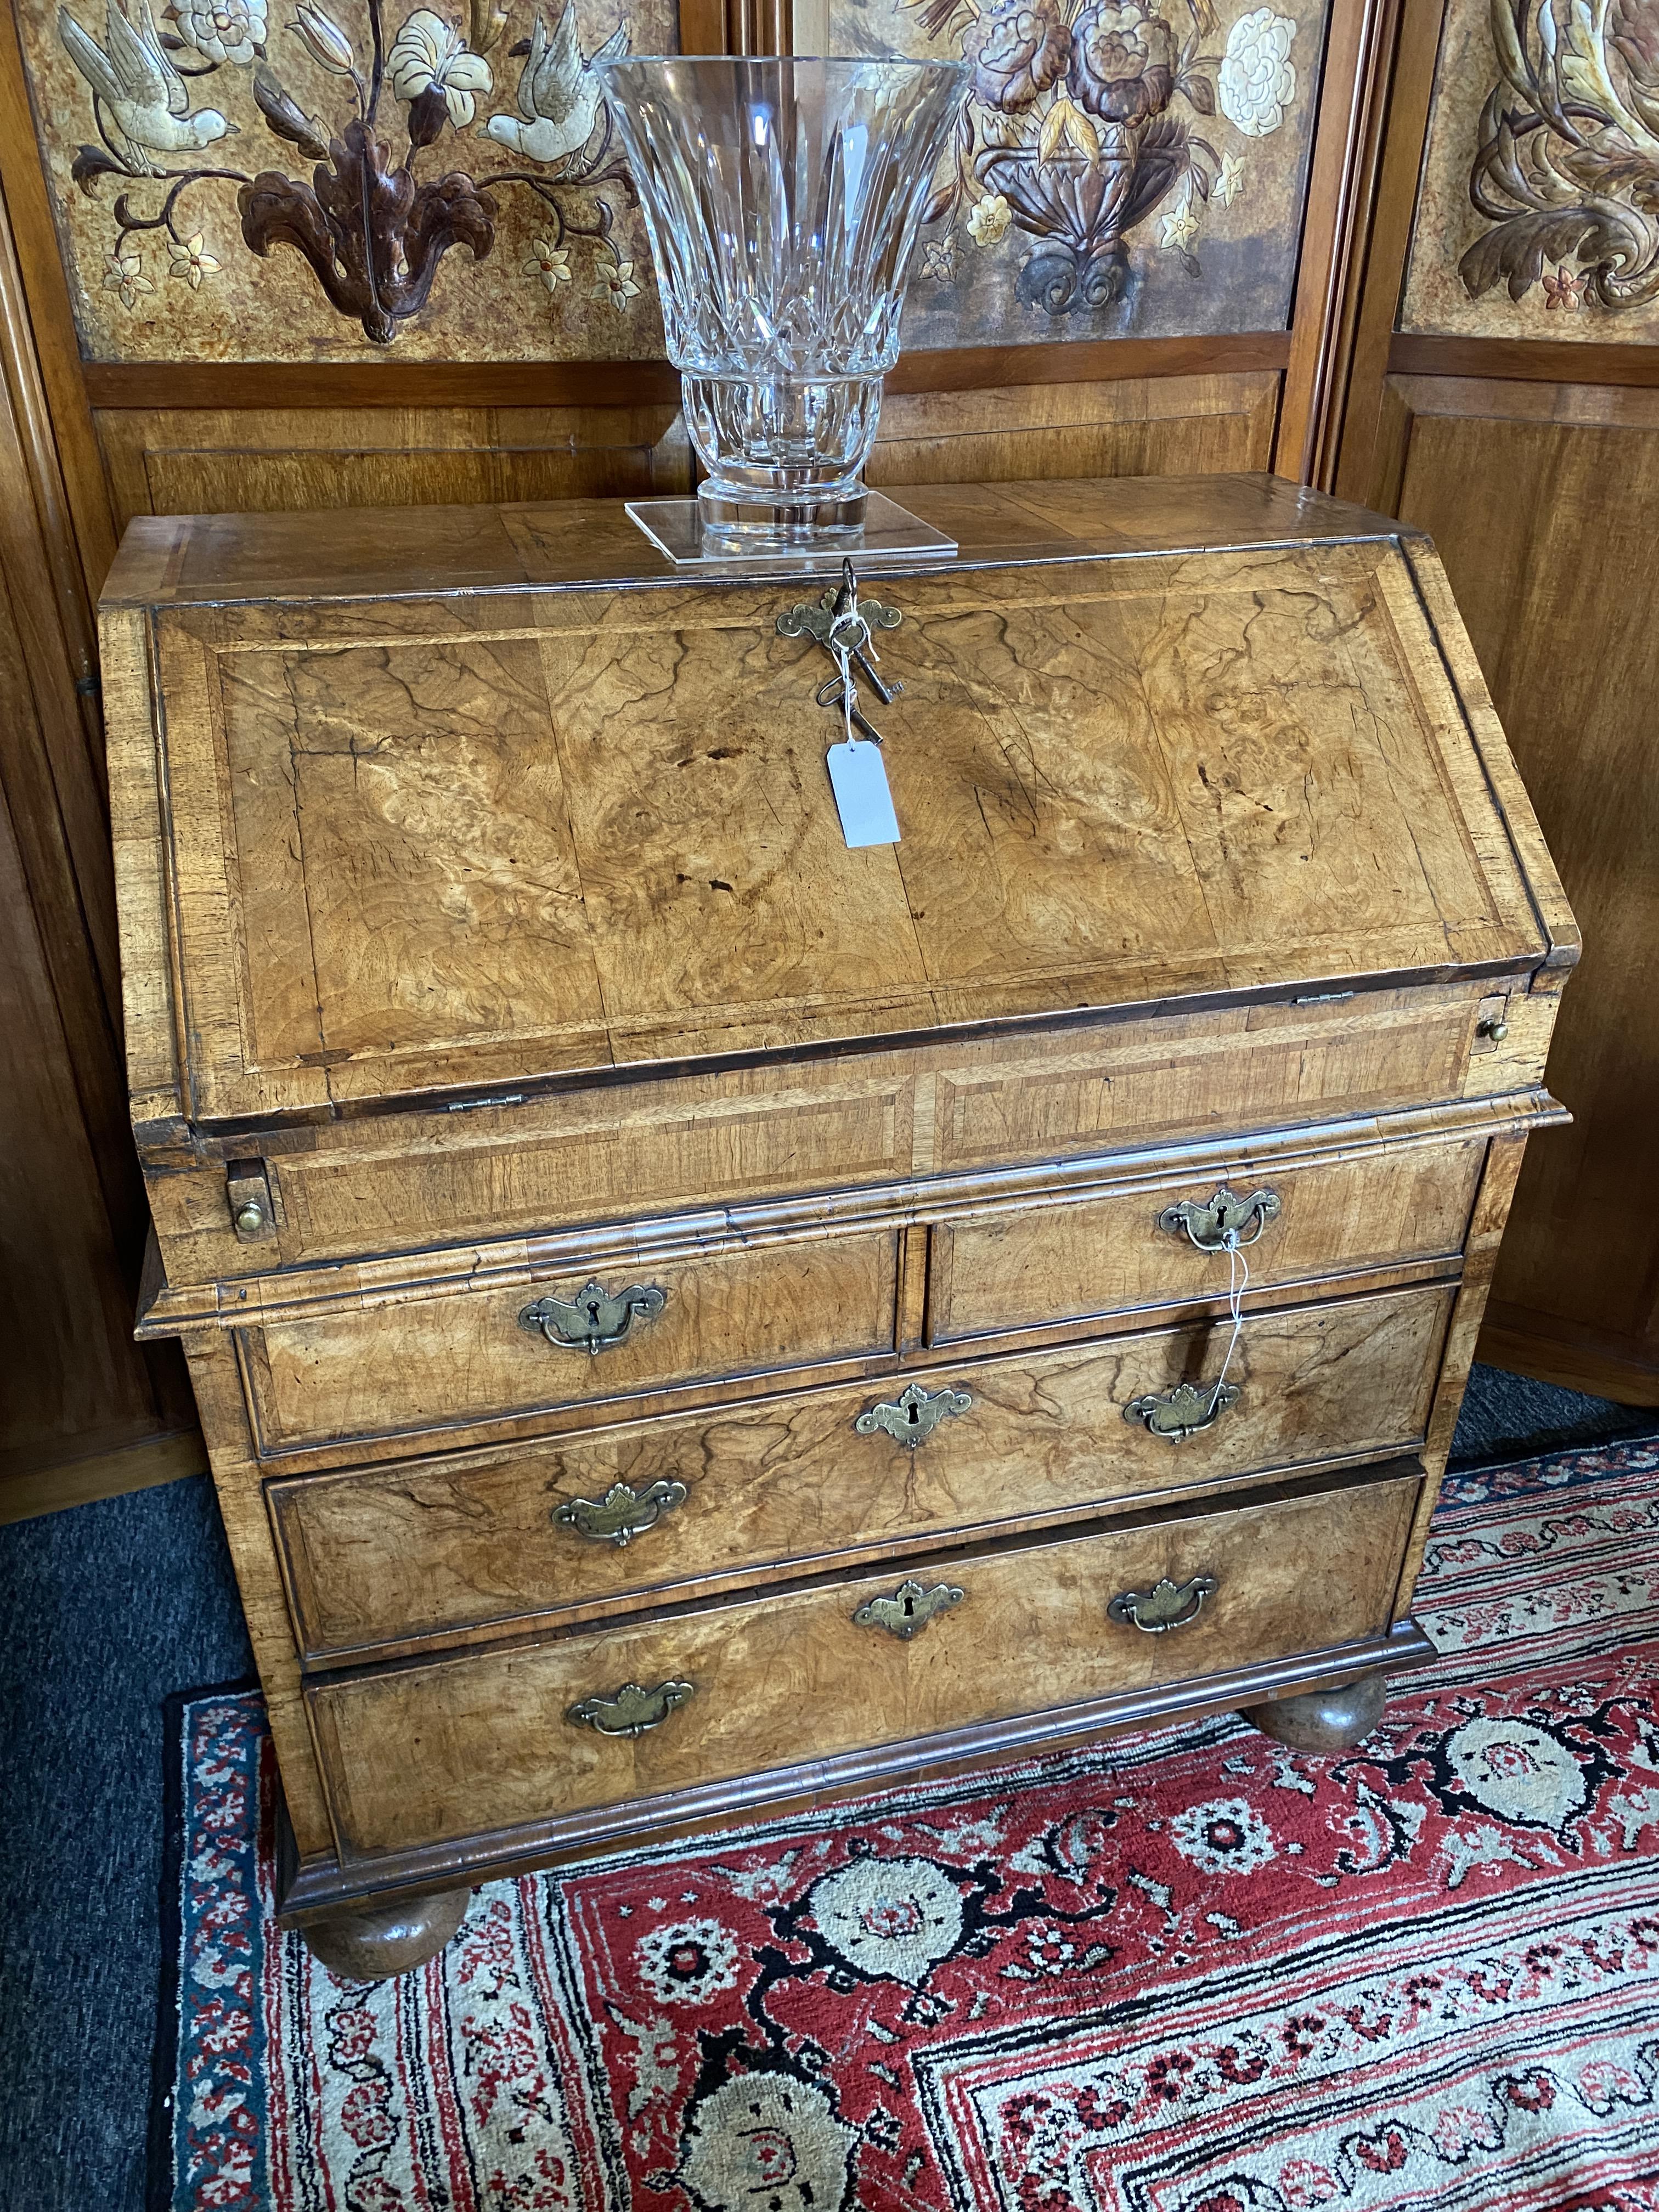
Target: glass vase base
x=680 y=529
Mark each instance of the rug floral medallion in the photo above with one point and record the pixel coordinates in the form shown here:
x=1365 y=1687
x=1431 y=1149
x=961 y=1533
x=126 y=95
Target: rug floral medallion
x=1186 y=1972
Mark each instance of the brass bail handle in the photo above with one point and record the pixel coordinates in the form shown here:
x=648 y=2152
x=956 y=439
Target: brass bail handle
x=595 y=1318
x=1167 y=1605
x=1223 y=1223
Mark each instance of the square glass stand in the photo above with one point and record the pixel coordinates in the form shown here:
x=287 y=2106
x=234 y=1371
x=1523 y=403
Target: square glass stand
x=675 y=527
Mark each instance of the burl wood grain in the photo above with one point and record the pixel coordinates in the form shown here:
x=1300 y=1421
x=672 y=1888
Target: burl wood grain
x=438 y=1549
x=422 y=1753
x=422 y=843
x=412 y=1365
x=1096 y=1259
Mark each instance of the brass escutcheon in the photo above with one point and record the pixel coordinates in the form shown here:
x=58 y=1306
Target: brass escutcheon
x=913 y=1416
x=595 y=1318
x=910 y=1609
x=1167 y=1605
x=623 y=1513
x=631 y=1710
x=1183 y=1411
x=1221 y=1221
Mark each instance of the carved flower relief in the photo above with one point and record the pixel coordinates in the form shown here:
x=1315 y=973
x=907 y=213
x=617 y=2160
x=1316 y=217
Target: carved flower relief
x=549 y=264
x=429 y=55
x=617 y=283
x=188 y=260
x=1257 y=81
x=1018 y=50
x=323 y=39
x=988 y=219
x=124 y=275
x=1123 y=61
x=221 y=30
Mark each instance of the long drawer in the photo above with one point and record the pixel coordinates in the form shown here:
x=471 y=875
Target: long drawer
x=444 y=1362
x=648 y=1510
x=1090 y=1259
x=498 y=1738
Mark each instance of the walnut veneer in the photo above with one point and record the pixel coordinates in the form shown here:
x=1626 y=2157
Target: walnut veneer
x=499 y=986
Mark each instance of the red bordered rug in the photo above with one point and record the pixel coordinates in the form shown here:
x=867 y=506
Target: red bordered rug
x=1189 y=1971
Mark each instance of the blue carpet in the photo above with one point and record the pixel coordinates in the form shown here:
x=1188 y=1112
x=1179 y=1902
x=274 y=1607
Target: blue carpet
x=113 y=1608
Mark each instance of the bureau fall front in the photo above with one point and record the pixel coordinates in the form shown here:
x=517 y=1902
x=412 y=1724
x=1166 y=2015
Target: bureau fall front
x=691 y=1314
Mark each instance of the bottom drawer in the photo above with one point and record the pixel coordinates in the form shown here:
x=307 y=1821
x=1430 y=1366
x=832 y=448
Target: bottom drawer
x=435 y=1751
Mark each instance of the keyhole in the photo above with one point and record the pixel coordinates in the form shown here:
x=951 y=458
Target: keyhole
x=593 y=1314
x=909 y=1605
x=912 y=1413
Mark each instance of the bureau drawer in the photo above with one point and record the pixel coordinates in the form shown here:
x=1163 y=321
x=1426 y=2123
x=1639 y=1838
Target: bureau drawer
x=1088 y=1261
x=443 y=1362
x=424 y=1754
x=387 y=1556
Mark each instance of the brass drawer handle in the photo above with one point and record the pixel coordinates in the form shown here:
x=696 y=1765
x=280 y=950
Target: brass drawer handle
x=1184 y=1410
x=1167 y=1605
x=913 y=1416
x=595 y=1318
x=1220 y=1223
x=623 y=1513
x=910 y=1609
x=631 y=1710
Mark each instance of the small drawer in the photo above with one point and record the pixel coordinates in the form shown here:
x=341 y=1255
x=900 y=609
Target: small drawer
x=1125 y=1253
x=354 y=1374
x=499 y=1739
x=385 y=1557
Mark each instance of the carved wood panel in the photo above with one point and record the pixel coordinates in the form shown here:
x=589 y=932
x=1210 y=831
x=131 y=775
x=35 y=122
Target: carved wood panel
x=1535 y=218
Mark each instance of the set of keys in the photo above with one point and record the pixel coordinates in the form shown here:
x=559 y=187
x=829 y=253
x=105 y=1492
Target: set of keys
x=842 y=624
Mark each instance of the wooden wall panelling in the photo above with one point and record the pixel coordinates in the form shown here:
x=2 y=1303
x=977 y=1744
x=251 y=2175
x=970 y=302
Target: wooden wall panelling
x=1541 y=498
x=1342 y=186
x=1144 y=426
x=72 y=1216
x=52 y=334
x=249 y=459
x=1349 y=468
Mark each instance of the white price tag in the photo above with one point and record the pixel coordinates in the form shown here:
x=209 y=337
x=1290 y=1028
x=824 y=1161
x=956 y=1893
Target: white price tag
x=858 y=777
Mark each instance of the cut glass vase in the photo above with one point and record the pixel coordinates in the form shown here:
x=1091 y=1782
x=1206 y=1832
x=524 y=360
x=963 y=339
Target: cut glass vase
x=782 y=198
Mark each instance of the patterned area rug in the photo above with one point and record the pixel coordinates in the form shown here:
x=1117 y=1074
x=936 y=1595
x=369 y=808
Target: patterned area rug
x=1189 y=1971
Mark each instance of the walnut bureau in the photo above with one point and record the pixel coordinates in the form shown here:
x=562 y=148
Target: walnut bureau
x=689 y=1317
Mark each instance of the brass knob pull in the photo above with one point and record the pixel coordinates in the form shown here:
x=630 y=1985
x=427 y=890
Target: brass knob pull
x=595 y=1318
x=1183 y=1411
x=912 y=1416
x=910 y=1609
x=631 y=1710
x=622 y=1513
x=250 y=1218
x=1494 y=1027
x=1167 y=1605
x=1223 y=1221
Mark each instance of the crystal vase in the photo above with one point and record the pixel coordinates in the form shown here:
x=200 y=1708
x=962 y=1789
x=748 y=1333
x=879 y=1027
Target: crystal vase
x=783 y=198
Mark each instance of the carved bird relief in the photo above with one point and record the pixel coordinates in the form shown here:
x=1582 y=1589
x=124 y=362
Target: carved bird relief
x=145 y=97
x=558 y=95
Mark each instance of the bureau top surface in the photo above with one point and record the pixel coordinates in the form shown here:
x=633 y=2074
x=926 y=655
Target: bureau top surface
x=455 y=800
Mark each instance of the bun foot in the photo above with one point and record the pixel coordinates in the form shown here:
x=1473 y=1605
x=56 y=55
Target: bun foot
x=1324 y=1720
x=373 y=1943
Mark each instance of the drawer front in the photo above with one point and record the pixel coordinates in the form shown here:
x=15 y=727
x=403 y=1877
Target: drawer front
x=429 y=1753
x=399 y=1369
x=388 y=1556
x=626 y=1151
x=1046 y=1266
